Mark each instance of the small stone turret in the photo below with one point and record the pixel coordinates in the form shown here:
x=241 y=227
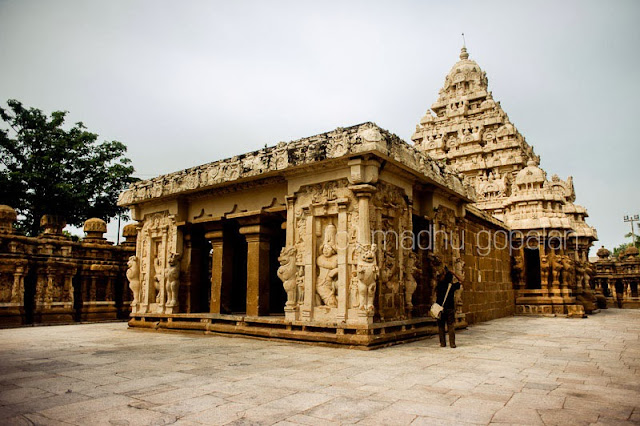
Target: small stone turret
x=53 y=225
x=95 y=228
x=631 y=252
x=7 y=218
x=603 y=253
x=130 y=233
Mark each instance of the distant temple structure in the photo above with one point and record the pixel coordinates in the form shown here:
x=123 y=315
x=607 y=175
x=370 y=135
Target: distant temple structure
x=469 y=131
x=340 y=237
x=616 y=280
x=50 y=279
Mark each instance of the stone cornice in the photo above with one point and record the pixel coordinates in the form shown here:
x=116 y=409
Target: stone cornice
x=283 y=157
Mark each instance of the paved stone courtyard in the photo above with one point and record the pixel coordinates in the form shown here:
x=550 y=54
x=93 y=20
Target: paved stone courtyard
x=518 y=370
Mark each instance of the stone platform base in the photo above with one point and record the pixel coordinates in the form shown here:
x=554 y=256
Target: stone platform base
x=633 y=303
x=98 y=311
x=11 y=317
x=371 y=336
x=571 y=311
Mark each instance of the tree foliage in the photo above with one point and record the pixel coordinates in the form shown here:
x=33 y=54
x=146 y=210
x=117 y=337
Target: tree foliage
x=617 y=251
x=46 y=169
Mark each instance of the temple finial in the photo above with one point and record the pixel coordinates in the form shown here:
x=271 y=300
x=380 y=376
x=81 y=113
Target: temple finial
x=463 y=51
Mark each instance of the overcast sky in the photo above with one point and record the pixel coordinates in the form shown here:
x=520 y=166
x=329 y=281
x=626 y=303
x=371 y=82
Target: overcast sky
x=189 y=82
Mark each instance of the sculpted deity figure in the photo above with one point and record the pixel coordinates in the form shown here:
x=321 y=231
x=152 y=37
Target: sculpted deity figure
x=353 y=289
x=133 y=275
x=368 y=274
x=328 y=268
x=544 y=270
x=159 y=278
x=172 y=275
x=411 y=270
x=389 y=269
x=287 y=272
x=556 y=268
x=300 y=284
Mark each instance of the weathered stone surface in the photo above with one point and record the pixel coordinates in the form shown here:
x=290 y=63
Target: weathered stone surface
x=259 y=382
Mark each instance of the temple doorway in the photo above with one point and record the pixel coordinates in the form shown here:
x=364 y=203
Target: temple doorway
x=199 y=292
x=532 y=268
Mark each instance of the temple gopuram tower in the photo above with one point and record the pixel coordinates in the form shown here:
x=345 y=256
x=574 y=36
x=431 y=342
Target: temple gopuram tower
x=469 y=131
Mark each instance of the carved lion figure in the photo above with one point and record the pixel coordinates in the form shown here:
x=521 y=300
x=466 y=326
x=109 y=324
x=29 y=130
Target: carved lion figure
x=567 y=269
x=133 y=275
x=368 y=274
x=172 y=276
x=544 y=270
x=287 y=272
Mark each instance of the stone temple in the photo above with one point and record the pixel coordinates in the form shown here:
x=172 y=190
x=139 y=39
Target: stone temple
x=468 y=130
x=337 y=238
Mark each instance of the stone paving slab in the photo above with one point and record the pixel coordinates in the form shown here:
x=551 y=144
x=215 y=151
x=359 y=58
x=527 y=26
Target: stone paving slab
x=517 y=370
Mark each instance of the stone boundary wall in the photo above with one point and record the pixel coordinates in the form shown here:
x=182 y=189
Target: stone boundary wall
x=488 y=291
x=51 y=279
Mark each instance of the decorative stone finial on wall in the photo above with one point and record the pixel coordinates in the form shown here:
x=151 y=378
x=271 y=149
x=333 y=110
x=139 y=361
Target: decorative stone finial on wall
x=130 y=233
x=95 y=228
x=7 y=217
x=53 y=225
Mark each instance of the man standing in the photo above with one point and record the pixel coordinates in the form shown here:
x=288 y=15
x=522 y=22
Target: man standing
x=446 y=300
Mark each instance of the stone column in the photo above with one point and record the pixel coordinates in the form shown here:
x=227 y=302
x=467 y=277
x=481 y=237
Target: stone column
x=218 y=269
x=258 y=244
x=291 y=226
x=363 y=193
x=308 y=259
x=342 y=242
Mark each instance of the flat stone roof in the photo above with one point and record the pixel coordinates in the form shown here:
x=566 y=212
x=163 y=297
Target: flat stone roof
x=346 y=142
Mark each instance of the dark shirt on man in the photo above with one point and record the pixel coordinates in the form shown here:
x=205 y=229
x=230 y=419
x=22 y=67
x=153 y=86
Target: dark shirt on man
x=441 y=290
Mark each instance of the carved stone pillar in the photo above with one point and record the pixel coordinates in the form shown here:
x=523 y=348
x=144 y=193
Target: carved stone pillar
x=258 y=244
x=93 y=288
x=308 y=257
x=220 y=270
x=363 y=193
x=342 y=242
x=290 y=238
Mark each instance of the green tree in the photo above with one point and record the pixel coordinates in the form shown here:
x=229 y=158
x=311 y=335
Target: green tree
x=45 y=169
x=617 y=251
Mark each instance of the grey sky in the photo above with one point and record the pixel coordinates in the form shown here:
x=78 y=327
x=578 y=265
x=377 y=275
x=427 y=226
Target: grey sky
x=185 y=83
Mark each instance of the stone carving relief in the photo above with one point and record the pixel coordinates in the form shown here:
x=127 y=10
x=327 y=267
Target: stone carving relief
x=133 y=275
x=327 y=263
x=172 y=276
x=158 y=248
x=288 y=274
x=368 y=274
x=556 y=269
x=305 y=151
x=412 y=274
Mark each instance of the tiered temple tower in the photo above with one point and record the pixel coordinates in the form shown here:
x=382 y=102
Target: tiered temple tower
x=469 y=131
